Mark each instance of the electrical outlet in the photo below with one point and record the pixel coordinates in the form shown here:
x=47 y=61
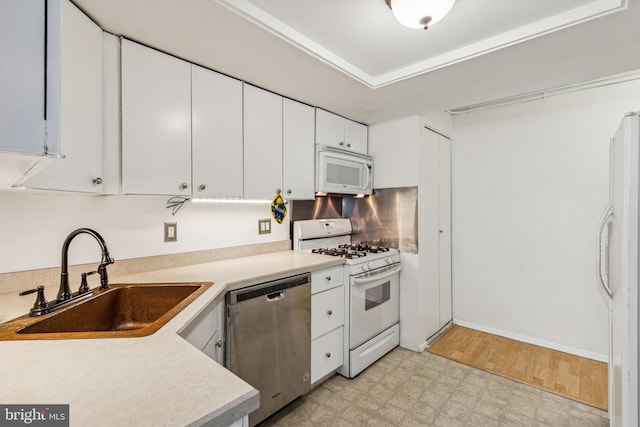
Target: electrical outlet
x=170 y=231
x=264 y=226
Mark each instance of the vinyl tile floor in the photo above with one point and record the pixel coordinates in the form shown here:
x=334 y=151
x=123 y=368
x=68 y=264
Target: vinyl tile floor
x=406 y=388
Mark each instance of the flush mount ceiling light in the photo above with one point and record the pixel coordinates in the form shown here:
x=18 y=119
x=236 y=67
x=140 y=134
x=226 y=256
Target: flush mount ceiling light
x=419 y=14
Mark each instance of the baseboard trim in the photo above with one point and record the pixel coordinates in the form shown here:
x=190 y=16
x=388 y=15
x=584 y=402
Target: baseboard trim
x=542 y=343
x=437 y=335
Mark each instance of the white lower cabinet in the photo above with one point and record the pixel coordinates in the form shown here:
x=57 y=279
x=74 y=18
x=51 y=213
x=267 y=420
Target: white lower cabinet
x=327 y=322
x=242 y=422
x=206 y=331
x=326 y=354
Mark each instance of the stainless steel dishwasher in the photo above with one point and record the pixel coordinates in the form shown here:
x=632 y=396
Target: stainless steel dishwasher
x=269 y=340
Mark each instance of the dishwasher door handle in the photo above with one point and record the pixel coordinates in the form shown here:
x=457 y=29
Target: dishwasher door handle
x=276 y=296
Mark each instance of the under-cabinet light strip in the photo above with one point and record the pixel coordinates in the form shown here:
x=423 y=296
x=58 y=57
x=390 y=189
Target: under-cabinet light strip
x=232 y=201
x=532 y=96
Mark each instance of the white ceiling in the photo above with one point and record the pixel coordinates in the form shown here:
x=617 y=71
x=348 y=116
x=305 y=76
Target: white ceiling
x=362 y=39
x=353 y=58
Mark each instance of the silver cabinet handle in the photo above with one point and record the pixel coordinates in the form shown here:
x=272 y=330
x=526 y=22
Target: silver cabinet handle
x=327 y=355
x=341 y=143
x=289 y=191
x=219 y=343
x=202 y=187
x=329 y=312
x=349 y=145
x=184 y=186
x=97 y=181
x=328 y=278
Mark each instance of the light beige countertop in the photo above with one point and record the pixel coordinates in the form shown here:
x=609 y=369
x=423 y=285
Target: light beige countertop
x=157 y=380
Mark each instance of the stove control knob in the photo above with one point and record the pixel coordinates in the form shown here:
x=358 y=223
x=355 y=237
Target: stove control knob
x=364 y=267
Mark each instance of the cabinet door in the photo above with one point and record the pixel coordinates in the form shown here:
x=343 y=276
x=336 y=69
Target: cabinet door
x=436 y=298
x=206 y=332
x=74 y=112
x=329 y=129
x=444 y=229
x=216 y=134
x=355 y=136
x=22 y=76
x=156 y=122
x=262 y=143
x=298 y=150
x=212 y=349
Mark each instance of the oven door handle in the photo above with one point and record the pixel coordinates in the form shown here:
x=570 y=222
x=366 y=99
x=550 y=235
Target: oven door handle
x=376 y=277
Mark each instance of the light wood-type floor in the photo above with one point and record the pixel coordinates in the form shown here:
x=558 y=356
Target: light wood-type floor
x=575 y=377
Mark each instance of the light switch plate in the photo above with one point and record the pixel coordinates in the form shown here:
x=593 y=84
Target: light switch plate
x=170 y=231
x=264 y=226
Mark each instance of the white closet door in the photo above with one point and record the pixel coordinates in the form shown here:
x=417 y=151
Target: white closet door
x=444 y=230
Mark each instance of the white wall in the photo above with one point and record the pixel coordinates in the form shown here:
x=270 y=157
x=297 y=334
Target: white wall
x=395 y=150
x=34 y=226
x=529 y=183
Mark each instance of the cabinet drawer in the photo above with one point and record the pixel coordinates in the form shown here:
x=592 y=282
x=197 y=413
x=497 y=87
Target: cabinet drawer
x=327 y=279
x=326 y=354
x=327 y=311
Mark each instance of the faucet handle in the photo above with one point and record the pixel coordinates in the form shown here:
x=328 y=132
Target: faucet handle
x=84 y=285
x=41 y=302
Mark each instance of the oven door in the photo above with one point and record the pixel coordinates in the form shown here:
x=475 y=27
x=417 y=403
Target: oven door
x=375 y=303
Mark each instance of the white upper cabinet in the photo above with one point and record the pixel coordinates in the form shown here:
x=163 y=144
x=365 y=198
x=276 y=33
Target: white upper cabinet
x=75 y=118
x=156 y=122
x=298 y=150
x=262 y=143
x=355 y=136
x=22 y=77
x=51 y=103
x=216 y=134
x=336 y=131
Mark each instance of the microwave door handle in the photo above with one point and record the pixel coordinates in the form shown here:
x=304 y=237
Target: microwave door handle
x=367 y=176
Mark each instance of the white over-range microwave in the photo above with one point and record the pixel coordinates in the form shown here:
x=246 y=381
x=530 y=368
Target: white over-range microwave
x=340 y=171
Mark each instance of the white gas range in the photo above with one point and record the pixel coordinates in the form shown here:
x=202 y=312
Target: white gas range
x=372 y=273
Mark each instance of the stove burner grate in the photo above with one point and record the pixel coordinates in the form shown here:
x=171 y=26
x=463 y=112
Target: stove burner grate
x=348 y=253
x=365 y=247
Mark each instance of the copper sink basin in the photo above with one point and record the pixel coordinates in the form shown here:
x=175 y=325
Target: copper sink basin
x=122 y=311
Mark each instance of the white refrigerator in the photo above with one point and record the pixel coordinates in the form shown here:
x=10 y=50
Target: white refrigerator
x=617 y=271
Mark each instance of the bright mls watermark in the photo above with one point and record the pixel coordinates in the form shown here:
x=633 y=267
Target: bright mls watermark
x=34 y=415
